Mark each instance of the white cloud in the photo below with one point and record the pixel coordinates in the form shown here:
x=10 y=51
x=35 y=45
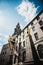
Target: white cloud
x=3 y=40
x=4 y=35
x=0 y=12
x=27 y=10
x=3 y=18
x=21 y=26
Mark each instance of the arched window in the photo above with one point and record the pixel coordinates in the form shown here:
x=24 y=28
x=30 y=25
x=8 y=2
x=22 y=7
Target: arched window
x=24 y=56
x=40 y=50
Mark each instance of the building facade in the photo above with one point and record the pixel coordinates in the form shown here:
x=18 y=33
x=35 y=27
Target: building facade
x=25 y=47
x=6 y=56
x=36 y=31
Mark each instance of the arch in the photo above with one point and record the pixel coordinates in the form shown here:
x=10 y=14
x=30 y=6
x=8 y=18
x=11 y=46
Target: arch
x=40 y=51
x=24 y=56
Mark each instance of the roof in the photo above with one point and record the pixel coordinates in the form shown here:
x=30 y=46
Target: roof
x=33 y=19
x=30 y=22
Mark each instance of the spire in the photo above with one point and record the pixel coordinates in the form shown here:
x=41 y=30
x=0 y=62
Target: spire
x=17 y=30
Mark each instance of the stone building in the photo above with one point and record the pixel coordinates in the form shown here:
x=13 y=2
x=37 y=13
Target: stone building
x=6 y=56
x=25 y=46
x=14 y=35
x=29 y=45
x=36 y=31
x=17 y=30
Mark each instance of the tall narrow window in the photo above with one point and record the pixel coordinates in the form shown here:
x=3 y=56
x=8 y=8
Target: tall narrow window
x=33 y=28
x=23 y=43
x=23 y=36
x=24 y=55
x=19 y=39
x=36 y=36
x=19 y=45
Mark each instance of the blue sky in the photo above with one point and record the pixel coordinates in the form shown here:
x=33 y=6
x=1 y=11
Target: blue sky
x=14 y=11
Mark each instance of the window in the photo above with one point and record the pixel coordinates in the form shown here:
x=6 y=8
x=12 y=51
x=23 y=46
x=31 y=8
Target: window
x=40 y=51
x=41 y=23
x=33 y=28
x=19 y=57
x=36 y=36
x=23 y=43
x=23 y=36
x=41 y=28
x=24 y=55
x=19 y=45
x=37 y=17
x=19 y=39
x=31 y=23
x=16 y=48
